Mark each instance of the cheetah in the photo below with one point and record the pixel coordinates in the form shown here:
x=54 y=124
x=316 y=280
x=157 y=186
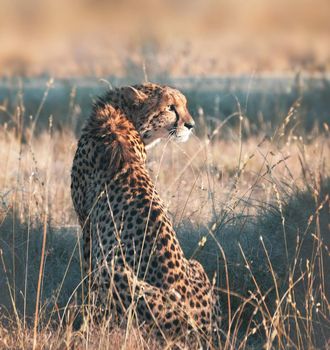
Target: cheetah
x=132 y=258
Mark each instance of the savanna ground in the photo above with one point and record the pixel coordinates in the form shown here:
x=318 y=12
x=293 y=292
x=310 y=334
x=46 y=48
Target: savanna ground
x=248 y=193
x=249 y=199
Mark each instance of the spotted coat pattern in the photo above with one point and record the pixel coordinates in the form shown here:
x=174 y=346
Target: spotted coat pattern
x=132 y=255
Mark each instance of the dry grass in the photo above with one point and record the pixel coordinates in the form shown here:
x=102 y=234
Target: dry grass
x=254 y=209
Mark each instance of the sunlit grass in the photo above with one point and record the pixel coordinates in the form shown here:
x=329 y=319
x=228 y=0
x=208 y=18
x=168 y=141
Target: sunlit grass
x=253 y=209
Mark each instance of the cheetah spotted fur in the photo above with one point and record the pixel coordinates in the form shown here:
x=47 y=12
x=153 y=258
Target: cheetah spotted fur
x=131 y=253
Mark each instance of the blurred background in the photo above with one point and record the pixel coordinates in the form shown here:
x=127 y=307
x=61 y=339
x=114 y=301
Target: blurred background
x=256 y=77
x=163 y=38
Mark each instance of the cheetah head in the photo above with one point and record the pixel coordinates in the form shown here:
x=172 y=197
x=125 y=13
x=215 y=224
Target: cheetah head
x=158 y=112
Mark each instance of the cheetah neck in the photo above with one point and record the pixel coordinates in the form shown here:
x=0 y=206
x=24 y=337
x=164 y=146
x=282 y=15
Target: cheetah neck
x=130 y=109
x=117 y=138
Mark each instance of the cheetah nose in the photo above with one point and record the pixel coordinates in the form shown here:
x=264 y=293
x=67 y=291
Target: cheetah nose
x=189 y=125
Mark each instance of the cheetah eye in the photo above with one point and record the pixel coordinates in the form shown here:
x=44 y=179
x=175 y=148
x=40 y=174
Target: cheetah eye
x=171 y=108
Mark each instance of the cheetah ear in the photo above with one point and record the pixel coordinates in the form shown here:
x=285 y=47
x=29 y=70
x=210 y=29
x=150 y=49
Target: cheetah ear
x=133 y=96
